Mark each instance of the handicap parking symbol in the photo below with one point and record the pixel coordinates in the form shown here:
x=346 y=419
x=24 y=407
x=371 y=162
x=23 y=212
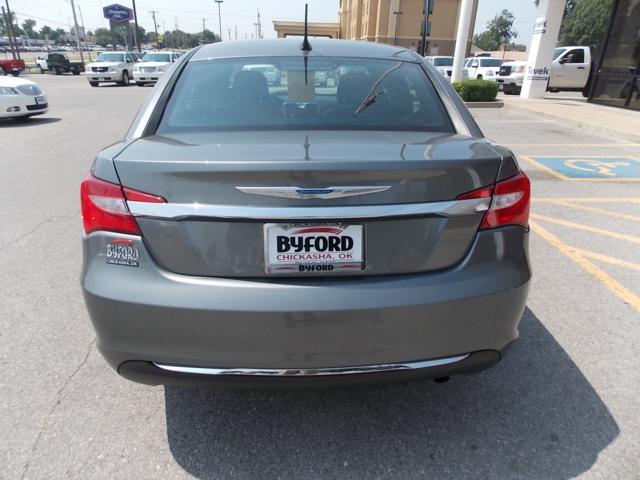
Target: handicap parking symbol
x=591 y=168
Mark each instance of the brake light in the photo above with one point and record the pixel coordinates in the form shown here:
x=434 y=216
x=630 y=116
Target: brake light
x=510 y=202
x=104 y=206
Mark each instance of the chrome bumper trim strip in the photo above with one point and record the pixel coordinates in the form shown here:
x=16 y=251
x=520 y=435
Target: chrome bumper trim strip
x=312 y=372
x=176 y=211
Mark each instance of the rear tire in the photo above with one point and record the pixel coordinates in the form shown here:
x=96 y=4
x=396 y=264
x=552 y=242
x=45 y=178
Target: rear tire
x=15 y=74
x=94 y=84
x=42 y=70
x=479 y=77
x=56 y=71
x=75 y=72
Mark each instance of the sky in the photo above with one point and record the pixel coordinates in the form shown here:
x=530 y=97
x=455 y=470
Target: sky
x=188 y=14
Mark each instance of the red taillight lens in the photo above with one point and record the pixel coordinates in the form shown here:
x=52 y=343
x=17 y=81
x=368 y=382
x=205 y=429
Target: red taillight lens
x=510 y=202
x=104 y=206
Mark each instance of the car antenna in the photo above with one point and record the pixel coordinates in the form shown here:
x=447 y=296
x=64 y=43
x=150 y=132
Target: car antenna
x=306 y=46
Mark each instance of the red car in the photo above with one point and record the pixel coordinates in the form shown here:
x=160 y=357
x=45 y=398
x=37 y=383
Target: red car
x=13 y=67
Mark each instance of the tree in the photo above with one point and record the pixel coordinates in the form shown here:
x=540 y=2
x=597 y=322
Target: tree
x=27 y=26
x=4 y=29
x=486 y=41
x=501 y=27
x=45 y=32
x=103 y=36
x=585 y=23
x=499 y=32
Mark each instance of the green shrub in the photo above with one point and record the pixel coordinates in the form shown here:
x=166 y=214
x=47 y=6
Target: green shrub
x=457 y=86
x=477 y=90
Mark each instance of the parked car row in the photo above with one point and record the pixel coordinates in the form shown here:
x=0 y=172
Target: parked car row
x=121 y=67
x=570 y=70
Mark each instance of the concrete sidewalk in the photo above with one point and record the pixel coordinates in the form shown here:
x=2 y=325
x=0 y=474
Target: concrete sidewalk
x=618 y=122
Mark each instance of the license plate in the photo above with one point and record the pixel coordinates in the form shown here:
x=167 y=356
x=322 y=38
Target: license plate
x=41 y=100
x=309 y=248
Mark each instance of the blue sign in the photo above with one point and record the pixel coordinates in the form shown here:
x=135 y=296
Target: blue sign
x=590 y=167
x=117 y=13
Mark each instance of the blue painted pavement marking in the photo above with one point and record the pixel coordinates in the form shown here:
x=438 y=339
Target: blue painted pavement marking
x=618 y=168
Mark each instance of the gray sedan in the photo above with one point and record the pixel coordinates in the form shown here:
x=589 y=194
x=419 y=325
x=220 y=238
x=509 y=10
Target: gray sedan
x=248 y=233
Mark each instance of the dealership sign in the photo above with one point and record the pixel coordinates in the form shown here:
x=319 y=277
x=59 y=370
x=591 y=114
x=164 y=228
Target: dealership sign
x=540 y=26
x=117 y=13
x=537 y=73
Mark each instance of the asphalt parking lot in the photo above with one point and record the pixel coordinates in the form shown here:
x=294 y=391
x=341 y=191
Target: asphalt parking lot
x=563 y=404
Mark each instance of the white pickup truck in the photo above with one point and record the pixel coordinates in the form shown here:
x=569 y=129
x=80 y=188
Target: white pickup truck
x=570 y=71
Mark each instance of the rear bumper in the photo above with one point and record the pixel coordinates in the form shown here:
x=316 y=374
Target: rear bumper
x=151 y=374
x=144 y=315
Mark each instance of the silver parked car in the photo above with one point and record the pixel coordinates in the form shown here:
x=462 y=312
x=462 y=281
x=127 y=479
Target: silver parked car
x=247 y=233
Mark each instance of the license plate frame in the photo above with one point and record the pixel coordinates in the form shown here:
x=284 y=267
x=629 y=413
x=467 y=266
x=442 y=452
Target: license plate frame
x=40 y=100
x=315 y=256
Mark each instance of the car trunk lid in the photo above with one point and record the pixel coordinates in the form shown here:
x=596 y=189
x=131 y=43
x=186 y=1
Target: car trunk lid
x=223 y=188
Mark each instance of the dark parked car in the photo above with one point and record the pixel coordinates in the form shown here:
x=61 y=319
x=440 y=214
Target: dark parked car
x=58 y=63
x=248 y=233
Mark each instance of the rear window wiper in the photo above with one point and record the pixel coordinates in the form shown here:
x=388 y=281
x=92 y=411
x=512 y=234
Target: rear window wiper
x=372 y=96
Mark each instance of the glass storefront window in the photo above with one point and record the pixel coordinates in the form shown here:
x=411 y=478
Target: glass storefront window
x=617 y=83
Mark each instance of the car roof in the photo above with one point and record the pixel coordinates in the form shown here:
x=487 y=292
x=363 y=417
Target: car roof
x=290 y=47
x=11 y=81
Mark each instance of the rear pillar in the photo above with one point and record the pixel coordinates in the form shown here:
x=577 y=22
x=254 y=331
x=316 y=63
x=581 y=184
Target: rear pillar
x=543 y=43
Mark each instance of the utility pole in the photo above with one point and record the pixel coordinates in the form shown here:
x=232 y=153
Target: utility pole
x=136 y=40
x=236 y=29
x=229 y=31
x=395 y=33
x=77 y=30
x=219 y=18
x=6 y=22
x=155 y=25
x=259 y=24
x=204 y=32
x=83 y=29
x=12 y=33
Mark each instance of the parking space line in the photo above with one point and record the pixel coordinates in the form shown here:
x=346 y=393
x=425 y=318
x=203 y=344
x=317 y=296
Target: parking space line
x=574 y=145
x=589 y=199
x=600 y=275
x=626 y=216
x=588 y=228
x=607 y=259
x=550 y=171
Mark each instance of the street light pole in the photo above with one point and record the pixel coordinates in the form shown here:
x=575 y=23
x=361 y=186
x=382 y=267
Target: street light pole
x=219 y=18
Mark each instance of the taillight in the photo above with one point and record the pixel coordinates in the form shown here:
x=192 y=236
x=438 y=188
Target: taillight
x=510 y=202
x=104 y=206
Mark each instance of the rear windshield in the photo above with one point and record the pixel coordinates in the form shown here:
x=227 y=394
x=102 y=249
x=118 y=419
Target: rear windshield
x=491 y=62
x=281 y=94
x=443 y=62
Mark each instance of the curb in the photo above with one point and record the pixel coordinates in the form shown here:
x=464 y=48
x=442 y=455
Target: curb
x=494 y=104
x=591 y=127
